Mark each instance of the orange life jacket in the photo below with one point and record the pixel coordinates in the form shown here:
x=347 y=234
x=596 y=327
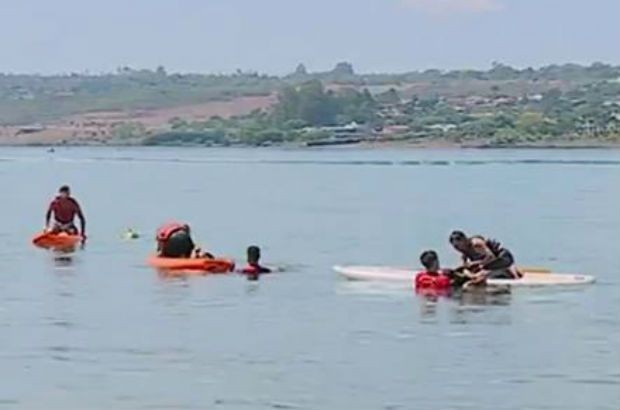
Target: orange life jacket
x=167 y=230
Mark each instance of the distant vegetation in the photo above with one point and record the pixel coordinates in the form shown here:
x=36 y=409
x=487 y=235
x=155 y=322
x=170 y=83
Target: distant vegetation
x=31 y=98
x=503 y=105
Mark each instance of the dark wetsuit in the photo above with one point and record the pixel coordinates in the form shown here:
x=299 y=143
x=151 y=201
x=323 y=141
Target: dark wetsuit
x=178 y=245
x=501 y=266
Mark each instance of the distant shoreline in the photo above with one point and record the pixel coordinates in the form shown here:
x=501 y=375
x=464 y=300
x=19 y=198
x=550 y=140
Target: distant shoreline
x=363 y=145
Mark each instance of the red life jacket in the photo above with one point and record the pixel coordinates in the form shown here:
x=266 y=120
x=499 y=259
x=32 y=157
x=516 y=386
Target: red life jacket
x=167 y=230
x=254 y=269
x=251 y=270
x=426 y=280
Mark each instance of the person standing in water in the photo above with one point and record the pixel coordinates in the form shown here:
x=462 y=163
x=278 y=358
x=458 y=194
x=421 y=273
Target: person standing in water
x=254 y=269
x=432 y=277
x=65 y=208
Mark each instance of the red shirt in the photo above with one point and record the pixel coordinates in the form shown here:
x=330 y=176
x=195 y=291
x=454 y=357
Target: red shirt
x=432 y=281
x=65 y=209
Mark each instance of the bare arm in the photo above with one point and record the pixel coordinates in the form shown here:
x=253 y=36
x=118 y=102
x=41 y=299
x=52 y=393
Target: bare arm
x=481 y=247
x=82 y=219
x=48 y=215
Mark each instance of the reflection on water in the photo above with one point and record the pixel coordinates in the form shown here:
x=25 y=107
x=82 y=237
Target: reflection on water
x=460 y=304
x=63 y=260
x=482 y=297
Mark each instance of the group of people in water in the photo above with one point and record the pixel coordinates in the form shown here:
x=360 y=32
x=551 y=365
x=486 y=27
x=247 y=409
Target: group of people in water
x=173 y=239
x=482 y=258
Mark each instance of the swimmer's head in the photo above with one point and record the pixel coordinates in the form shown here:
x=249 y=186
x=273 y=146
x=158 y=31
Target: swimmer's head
x=64 y=191
x=430 y=261
x=253 y=254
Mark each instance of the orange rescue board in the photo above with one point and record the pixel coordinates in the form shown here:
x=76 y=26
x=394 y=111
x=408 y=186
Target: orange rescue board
x=60 y=240
x=197 y=265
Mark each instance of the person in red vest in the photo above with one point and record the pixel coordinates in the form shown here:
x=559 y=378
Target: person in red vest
x=174 y=240
x=65 y=208
x=434 y=281
x=432 y=277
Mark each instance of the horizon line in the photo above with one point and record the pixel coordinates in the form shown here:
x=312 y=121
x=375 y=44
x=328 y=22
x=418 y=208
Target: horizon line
x=117 y=71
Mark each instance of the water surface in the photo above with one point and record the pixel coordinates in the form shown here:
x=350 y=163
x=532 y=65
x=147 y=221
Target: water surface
x=102 y=330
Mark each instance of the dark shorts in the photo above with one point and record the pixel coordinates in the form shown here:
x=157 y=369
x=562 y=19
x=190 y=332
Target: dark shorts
x=504 y=260
x=179 y=245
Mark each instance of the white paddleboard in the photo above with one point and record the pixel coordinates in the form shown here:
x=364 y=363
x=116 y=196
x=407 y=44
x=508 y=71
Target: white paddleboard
x=404 y=275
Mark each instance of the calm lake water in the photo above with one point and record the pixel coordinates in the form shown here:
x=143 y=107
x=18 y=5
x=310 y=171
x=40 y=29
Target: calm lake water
x=104 y=331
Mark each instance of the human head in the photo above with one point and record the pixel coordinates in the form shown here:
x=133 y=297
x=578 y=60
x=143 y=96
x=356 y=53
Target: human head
x=253 y=254
x=430 y=261
x=64 y=191
x=459 y=241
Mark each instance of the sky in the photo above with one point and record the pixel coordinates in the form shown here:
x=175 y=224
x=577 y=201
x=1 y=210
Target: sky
x=273 y=36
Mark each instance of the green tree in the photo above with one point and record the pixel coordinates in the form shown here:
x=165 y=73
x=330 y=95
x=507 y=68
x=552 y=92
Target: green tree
x=309 y=103
x=301 y=70
x=343 y=69
x=531 y=122
x=356 y=106
x=177 y=123
x=316 y=107
x=129 y=130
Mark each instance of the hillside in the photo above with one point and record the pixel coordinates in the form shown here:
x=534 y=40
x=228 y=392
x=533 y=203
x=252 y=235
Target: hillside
x=559 y=102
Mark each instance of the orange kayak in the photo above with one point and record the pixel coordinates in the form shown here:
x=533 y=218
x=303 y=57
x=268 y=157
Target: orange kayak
x=60 y=240
x=192 y=265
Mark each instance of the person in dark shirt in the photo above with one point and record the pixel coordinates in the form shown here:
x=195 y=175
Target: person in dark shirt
x=65 y=208
x=487 y=258
x=254 y=269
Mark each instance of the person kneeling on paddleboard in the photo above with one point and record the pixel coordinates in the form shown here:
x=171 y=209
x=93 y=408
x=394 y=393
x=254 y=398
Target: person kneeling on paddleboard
x=65 y=208
x=254 y=269
x=174 y=241
x=486 y=258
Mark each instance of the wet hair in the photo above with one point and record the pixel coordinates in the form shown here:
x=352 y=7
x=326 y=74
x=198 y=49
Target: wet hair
x=457 y=236
x=253 y=253
x=428 y=258
x=64 y=189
